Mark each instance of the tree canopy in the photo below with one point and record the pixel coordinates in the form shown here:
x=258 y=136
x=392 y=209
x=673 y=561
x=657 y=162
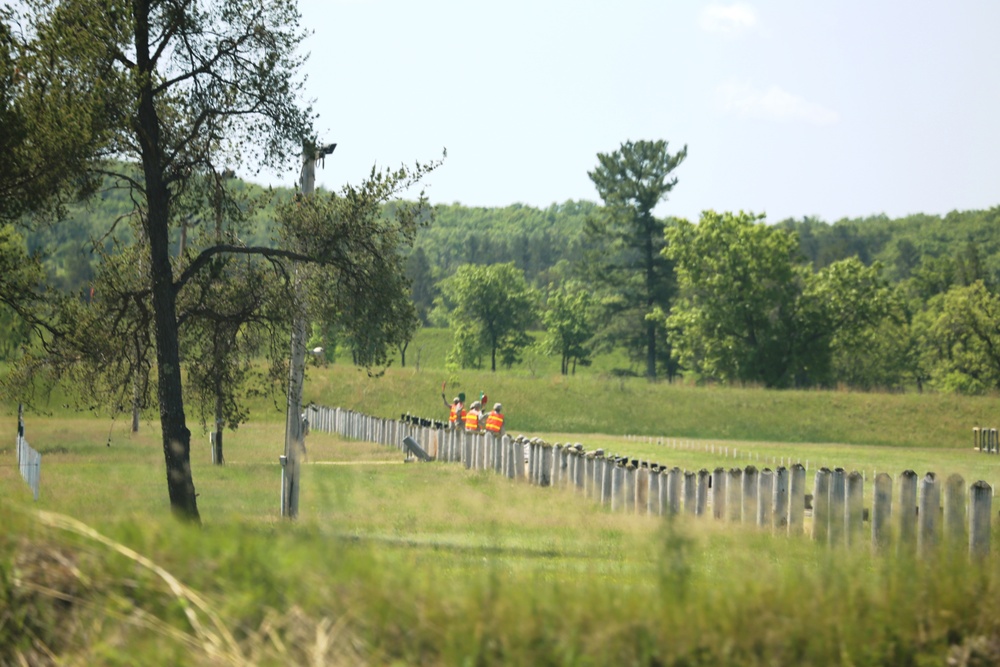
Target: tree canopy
x=625 y=262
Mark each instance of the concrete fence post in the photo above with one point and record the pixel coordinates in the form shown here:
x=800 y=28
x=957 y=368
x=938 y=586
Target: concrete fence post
x=927 y=514
x=781 y=479
x=642 y=489
x=855 y=508
x=882 y=512
x=838 y=506
x=579 y=479
x=518 y=452
x=976 y=445
x=629 y=488
x=719 y=497
x=821 y=505
x=690 y=492
x=545 y=478
x=797 y=500
x=702 y=493
x=954 y=512
x=749 y=503
x=617 y=487
x=654 y=493
x=907 y=511
x=765 y=498
x=675 y=486
x=980 y=515
x=734 y=495
x=607 y=473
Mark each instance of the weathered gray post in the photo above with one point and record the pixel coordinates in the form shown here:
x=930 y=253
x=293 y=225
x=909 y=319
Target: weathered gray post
x=467 y=449
x=797 y=500
x=881 y=512
x=980 y=513
x=994 y=441
x=781 y=498
x=580 y=473
x=702 y=494
x=821 y=506
x=629 y=488
x=954 y=512
x=675 y=486
x=855 y=508
x=749 y=504
x=930 y=505
x=765 y=498
x=734 y=495
x=617 y=487
x=545 y=476
x=907 y=511
x=838 y=506
x=607 y=475
x=642 y=489
x=507 y=443
x=719 y=489
x=655 y=493
x=690 y=492
x=519 y=471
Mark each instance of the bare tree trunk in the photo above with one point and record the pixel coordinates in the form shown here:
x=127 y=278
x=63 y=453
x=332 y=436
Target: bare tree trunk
x=176 y=436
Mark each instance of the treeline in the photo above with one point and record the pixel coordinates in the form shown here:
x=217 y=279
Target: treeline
x=941 y=274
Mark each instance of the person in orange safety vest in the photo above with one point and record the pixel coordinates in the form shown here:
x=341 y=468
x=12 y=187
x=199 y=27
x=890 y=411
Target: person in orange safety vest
x=456 y=415
x=494 y=421
x=473 y=416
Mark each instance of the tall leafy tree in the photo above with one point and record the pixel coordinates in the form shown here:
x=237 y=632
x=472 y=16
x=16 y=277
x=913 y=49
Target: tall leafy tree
x=189 y=87
x=962 y=339
x=494 y=306
x=569 y=326
x=750 y=311
x=626 y=263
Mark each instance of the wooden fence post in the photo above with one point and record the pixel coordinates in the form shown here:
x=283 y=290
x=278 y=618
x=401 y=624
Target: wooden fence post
x=749 y=504
x=930 y=505
x=821 y=505
x=907 y=511
x=765 y=498
x=855 y=508
x=719 y=493
x=980 y=516
x=734 y=495
x=781 y=498
x=954 y=512
x=881 y=512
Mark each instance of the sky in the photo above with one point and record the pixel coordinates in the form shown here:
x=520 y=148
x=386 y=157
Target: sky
x=790 y=108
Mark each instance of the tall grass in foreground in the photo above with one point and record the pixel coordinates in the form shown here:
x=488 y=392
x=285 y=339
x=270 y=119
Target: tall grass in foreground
x=627 y=593
x=435 y=565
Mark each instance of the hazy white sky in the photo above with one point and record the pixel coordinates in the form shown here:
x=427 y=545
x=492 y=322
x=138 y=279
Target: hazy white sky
x=833 y=108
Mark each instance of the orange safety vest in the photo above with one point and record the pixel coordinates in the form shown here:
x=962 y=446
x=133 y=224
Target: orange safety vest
x=494 y=422
x=457 y=413
x=472 y=421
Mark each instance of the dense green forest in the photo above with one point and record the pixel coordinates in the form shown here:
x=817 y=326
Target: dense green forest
x=938 y=272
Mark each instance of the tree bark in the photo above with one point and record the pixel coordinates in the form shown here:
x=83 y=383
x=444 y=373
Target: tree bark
x=176 y=436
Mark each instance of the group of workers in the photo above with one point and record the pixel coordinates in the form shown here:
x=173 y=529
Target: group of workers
x=474 y=419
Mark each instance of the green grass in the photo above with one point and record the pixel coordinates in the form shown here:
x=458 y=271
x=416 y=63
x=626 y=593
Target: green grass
x=396 y=563
x=406 y=564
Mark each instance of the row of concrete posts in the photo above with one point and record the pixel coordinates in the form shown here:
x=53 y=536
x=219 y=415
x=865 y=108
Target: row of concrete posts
x=774 y=500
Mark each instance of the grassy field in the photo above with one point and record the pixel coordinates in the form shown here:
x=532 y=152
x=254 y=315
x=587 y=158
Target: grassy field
x=430 y=564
